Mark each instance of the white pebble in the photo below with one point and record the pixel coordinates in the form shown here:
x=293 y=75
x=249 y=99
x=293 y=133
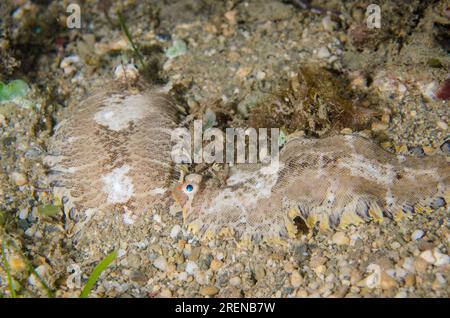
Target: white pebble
x=328 y=24
x=68 y=62
x=121 y=252
x=165 y=293
x=442 y=125
x=373 y=280
x=160 y=263
x=323 y=53
x=408 y=264
x=157 y=218
x=191 y=267
x=440 y=258
x=428 y=90
x=200 y=278
x=401 y=294
x=260 y=75
x=235 y=281
x=427 y=256
x=182 y=276
x=30 y=232
x=174 y=231
x=220 y=256
x=440 y=279
x=417 y=234
x=23 y=214
x=395 y=245
x=340 y=238
x=435 y=257
x=401 y=88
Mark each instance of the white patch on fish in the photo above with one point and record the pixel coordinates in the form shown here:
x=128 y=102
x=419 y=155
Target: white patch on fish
x=117 y=185
x=118 y=112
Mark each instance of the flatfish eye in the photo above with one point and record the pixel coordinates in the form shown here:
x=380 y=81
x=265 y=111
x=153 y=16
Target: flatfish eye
x=189 y=188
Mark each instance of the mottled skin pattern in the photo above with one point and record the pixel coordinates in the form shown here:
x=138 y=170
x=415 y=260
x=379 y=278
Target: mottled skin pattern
x=113 y=153
x=338 y=180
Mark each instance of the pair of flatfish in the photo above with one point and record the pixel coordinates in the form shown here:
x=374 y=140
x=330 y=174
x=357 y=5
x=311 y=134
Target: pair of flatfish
x=110 y=161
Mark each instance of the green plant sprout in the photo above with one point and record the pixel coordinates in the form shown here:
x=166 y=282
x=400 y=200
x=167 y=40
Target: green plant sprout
x=8 y=273
x=125 y=30
x=96 y=273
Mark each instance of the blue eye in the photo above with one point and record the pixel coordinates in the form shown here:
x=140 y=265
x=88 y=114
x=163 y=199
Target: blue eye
x=189 y=188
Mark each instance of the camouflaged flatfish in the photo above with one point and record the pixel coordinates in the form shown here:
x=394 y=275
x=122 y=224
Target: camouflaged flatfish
x=329 y=182
x=110 y=161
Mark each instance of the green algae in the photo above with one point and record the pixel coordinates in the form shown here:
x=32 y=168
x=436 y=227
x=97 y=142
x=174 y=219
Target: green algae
x=178 y=48
x=13 y=90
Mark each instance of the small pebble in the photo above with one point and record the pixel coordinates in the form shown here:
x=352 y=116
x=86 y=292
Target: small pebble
x=379 y=127
x=442 y=125
x=410 y=280
x=346 y=131
x=395 y=245
x=165 y=293
x=260 y=75
x=260 y=273
x=302 y=293
x=417 y=151
x=160 y=263
x=235 y=281
x=174 y=231
x=296 y=279
x=323 y=53
x=182 y=276
x=191 y=267
x=67 y=64
x=428 y=256
x=440 y=258
x=18 y=178
x=420 y=265
x=23 y=214
x=195 y=253
x=200 y=277
x=216 y=265
x=439 y=281
x=328 y=24
x=231 y=16
x=243 y=71
x=157 y=218
x=417 y=234
x=209 y=291
x=408 y=264
x=401 y=294
x=428 y=90
x=340 y=238
x=126 y=72
x=387 y=282
x=163 y=37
